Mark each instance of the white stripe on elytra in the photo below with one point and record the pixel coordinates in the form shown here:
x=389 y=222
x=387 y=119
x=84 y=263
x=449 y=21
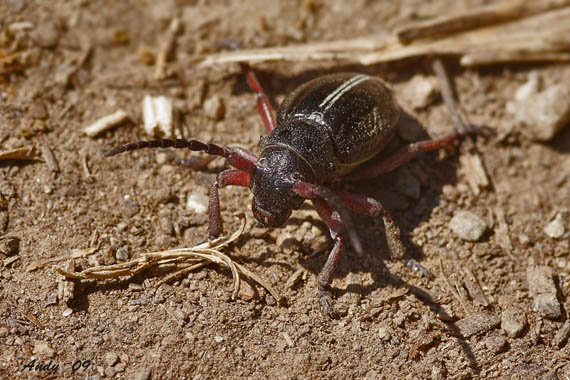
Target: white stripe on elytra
x=341 y=90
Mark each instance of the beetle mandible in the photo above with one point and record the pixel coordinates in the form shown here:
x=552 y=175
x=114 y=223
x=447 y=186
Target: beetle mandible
x=327 y=129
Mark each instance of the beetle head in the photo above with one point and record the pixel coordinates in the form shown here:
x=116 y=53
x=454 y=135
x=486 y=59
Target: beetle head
x=277 y=169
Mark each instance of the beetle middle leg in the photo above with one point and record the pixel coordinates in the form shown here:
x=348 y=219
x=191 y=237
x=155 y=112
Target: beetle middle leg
x=332 y=217
x=336 y=227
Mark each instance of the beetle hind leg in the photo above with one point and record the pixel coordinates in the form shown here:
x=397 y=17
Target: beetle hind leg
x=263 y=103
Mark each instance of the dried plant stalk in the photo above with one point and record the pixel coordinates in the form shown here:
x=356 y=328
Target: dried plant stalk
x=480 y=16
x=188 y=258
x=537 y=32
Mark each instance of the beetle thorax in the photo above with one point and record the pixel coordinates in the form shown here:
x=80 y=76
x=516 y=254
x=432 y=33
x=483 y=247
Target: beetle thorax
x=277 y=169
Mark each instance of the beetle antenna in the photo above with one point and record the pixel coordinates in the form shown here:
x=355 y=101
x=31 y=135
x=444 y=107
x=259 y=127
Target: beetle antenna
x=193 y=145
x=234 y=156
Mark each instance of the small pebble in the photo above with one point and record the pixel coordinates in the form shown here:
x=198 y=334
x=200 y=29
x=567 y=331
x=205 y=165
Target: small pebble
x=543 y=290
x=384 y=333
x=562 y=335
x=38 y=110
x=9 y=246
x=555 y=229
x=513 y=321
x=197 y=203
x=67 y=312
x=166 y=226
x=420 y=91
x=122 y=254
x=44 y=350
x=111 y=359
x=477 y=323
x=246 y=291
x=496 y=344
x=110 y=371
x=541 y=114
x=467 y=225
x=143 y=374
x=218 y=339
x=214 y=108
x=524 y=239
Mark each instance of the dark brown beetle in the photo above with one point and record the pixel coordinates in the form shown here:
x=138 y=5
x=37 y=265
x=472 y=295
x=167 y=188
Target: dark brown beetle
x=325 y=130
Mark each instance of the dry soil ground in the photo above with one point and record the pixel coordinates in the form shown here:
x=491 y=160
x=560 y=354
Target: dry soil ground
x=399 y=325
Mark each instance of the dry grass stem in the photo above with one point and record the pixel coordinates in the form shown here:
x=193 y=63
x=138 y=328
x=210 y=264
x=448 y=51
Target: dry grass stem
x=187 y=258
x=478 y=17
x=76 y=253
x=167 y=48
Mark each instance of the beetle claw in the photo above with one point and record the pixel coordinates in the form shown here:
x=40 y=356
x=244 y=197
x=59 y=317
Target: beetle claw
x=328 y=305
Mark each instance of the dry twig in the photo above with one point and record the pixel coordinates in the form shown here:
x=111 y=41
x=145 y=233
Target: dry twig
x=166 y=48
x=23 y=153
x=48 y=156
x=478 y=17
x=105 y=123
x=540 y=31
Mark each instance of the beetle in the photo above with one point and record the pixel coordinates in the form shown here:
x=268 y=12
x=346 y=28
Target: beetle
x=326 y=130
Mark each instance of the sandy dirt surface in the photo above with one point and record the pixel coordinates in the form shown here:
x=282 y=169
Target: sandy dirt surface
x=65 y=64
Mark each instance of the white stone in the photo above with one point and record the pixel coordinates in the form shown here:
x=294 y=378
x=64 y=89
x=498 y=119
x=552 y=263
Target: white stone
x=467 y=225
x=197 y=203
x=158 y=115
x=555 y=229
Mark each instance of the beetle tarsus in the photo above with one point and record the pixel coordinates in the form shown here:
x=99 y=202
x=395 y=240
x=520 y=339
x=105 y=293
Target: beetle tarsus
x=327 y=303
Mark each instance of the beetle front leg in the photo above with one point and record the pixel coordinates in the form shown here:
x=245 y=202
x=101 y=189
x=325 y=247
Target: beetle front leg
x=226 y=178
x=336 y=227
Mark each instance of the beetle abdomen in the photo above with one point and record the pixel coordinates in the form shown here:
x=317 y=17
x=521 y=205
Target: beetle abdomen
x=358 y=111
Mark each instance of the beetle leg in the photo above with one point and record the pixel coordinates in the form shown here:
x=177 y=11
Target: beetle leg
x=246 y=154
x=370 y=206
x=311 y=191
x=263 y=103
x=336 y=227
x=403 y=155
x=225 y=178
